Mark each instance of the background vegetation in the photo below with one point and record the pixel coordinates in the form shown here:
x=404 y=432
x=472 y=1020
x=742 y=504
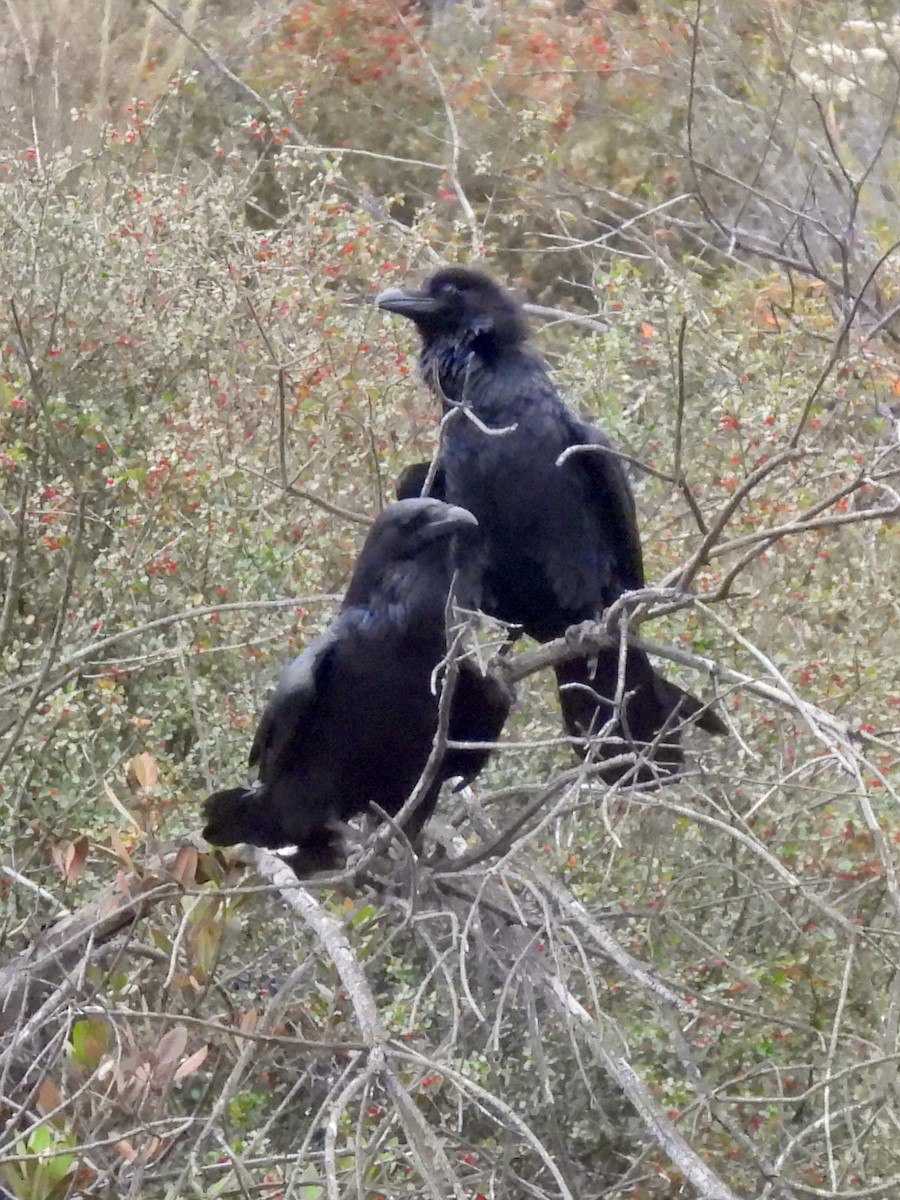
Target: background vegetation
x=610 y=994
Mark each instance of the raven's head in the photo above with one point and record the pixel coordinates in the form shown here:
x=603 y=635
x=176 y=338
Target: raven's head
x=460 y=304
x=408 y=527
x=410 y=537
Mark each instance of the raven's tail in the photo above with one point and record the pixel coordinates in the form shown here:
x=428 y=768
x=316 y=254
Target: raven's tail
x=243 y=815
x=652 y=715
x=248 y=815
x=689 y=708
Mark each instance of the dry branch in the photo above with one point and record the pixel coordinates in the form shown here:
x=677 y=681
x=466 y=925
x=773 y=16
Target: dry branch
x=28 y=980
x=434 y=1166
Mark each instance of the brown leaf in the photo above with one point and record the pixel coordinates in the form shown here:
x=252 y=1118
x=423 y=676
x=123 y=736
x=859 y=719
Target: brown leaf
x=48 y=1095
x=191 y=1064
x=57 y=853
x=171 y=1046
x=141 y=774
x=77 y=1184
x=247 y=1020
x=74 y=859
x=185 y=866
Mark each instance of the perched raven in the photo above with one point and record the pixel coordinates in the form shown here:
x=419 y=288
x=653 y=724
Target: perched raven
x=354 y=717
x=561 y=542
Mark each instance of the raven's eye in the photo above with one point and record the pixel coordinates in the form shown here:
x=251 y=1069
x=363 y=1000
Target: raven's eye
x=448 y=289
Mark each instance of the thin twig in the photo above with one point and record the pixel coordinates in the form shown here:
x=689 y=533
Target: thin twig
x=87 y=653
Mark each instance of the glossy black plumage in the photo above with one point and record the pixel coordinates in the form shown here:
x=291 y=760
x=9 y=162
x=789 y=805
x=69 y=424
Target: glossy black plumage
x=353 y=719
x=561 y=542
x=412 y=479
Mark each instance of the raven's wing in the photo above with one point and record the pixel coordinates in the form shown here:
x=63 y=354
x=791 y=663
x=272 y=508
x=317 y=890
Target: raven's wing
x=287 y=715
x=411 y=481
x=611 y=497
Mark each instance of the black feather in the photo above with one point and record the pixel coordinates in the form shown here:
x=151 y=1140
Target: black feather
x=412 y=479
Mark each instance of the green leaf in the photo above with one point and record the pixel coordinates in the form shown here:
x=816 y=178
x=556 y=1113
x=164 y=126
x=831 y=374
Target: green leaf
x=89 y=1039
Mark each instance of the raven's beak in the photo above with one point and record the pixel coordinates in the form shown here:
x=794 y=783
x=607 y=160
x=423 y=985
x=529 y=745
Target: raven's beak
x=455 y=515
x=452 y=520
x=407 y=303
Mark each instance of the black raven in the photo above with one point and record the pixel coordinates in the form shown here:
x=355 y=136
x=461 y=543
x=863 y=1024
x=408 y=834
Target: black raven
x=561 y=541
x=354 y=717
